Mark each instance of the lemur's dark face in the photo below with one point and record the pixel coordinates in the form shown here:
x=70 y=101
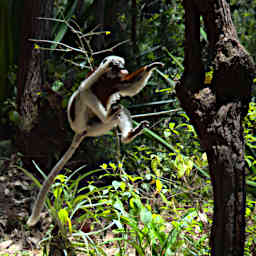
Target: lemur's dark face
x=117 y=67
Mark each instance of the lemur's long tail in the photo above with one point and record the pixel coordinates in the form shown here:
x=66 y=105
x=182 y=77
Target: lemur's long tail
x=39 y=203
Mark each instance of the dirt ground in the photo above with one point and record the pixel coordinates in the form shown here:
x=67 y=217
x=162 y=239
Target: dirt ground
x=17 y=193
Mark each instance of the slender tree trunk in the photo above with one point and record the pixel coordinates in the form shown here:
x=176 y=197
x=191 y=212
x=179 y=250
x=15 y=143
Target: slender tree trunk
x=217 y=108
x=100 y=20
x=32 y=71
x=134 y=27
x=6 y=51
x=39 y=130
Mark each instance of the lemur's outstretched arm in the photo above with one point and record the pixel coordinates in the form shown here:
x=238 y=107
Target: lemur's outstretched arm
x=133 y=83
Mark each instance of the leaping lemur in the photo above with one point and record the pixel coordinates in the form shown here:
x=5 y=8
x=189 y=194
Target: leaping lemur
x=92 y=112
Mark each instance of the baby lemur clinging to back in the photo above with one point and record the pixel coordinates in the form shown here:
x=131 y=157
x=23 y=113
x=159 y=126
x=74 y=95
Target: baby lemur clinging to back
x=92 y=112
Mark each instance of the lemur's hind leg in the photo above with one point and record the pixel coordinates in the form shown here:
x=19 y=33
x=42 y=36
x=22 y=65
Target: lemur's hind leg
x=128 y=133
x=97 y=128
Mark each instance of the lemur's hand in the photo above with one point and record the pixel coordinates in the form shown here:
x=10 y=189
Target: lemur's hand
x=104 y=66
x=154 y=65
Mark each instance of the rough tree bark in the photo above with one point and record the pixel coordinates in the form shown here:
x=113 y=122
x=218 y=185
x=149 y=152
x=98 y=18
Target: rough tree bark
x=217 y=110
x=36 y=131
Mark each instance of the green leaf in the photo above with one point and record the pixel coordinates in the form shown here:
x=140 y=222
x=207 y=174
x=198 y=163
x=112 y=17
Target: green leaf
x=118 y=224
x=123 y=186
x=62 y=178
x=57 y=192
x=116 y=184
x=14 y=116
x=203 y=34
x=119 y=206
x=113 y=166
x=64 y=218
x=145 y=216
x=57 y=85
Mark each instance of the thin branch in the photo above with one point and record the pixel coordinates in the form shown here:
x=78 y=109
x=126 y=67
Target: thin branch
x=95 y=33
x=57 y=50
x=157 y=113
x=152 y=103
x=81 y=37
x=111 y=48
x=62 y=21
x=76 y=64
x=58 y=43
x=78 y=33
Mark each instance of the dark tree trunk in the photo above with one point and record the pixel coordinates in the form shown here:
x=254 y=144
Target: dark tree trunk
x=106 y=14
x=134 y=27
x=217 y=109
x=100 y=20
x=39 y=130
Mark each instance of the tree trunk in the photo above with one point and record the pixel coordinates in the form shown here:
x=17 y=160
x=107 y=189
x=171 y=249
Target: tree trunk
x=39 y=130
x=217 y=108
x=100 y=20
x=134 y=27
x=9 y=33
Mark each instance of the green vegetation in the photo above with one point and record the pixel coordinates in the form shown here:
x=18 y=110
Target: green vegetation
x=155 y=197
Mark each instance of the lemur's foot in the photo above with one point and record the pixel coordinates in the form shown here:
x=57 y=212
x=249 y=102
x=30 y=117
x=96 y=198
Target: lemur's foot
x=145 y=124
x=139 y=128
x=136 y=132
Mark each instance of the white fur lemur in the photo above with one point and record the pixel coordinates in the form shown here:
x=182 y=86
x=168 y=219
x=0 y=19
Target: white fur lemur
x=91 y=112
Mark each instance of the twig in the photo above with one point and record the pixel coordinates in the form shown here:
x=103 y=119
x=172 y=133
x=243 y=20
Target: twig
x=50 y=49
x=94 y=33
x=157 y=113
x=58 y=43
x=111 y=48
x=152 y=103
x=118 y=146
x=76 y=64
x=81 y=37
x=61 y=21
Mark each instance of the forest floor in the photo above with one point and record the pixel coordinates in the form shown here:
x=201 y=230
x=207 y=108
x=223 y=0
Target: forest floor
x=16 y=193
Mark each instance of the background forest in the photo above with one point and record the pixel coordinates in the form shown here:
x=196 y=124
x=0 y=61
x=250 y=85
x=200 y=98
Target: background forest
x=150 y=197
